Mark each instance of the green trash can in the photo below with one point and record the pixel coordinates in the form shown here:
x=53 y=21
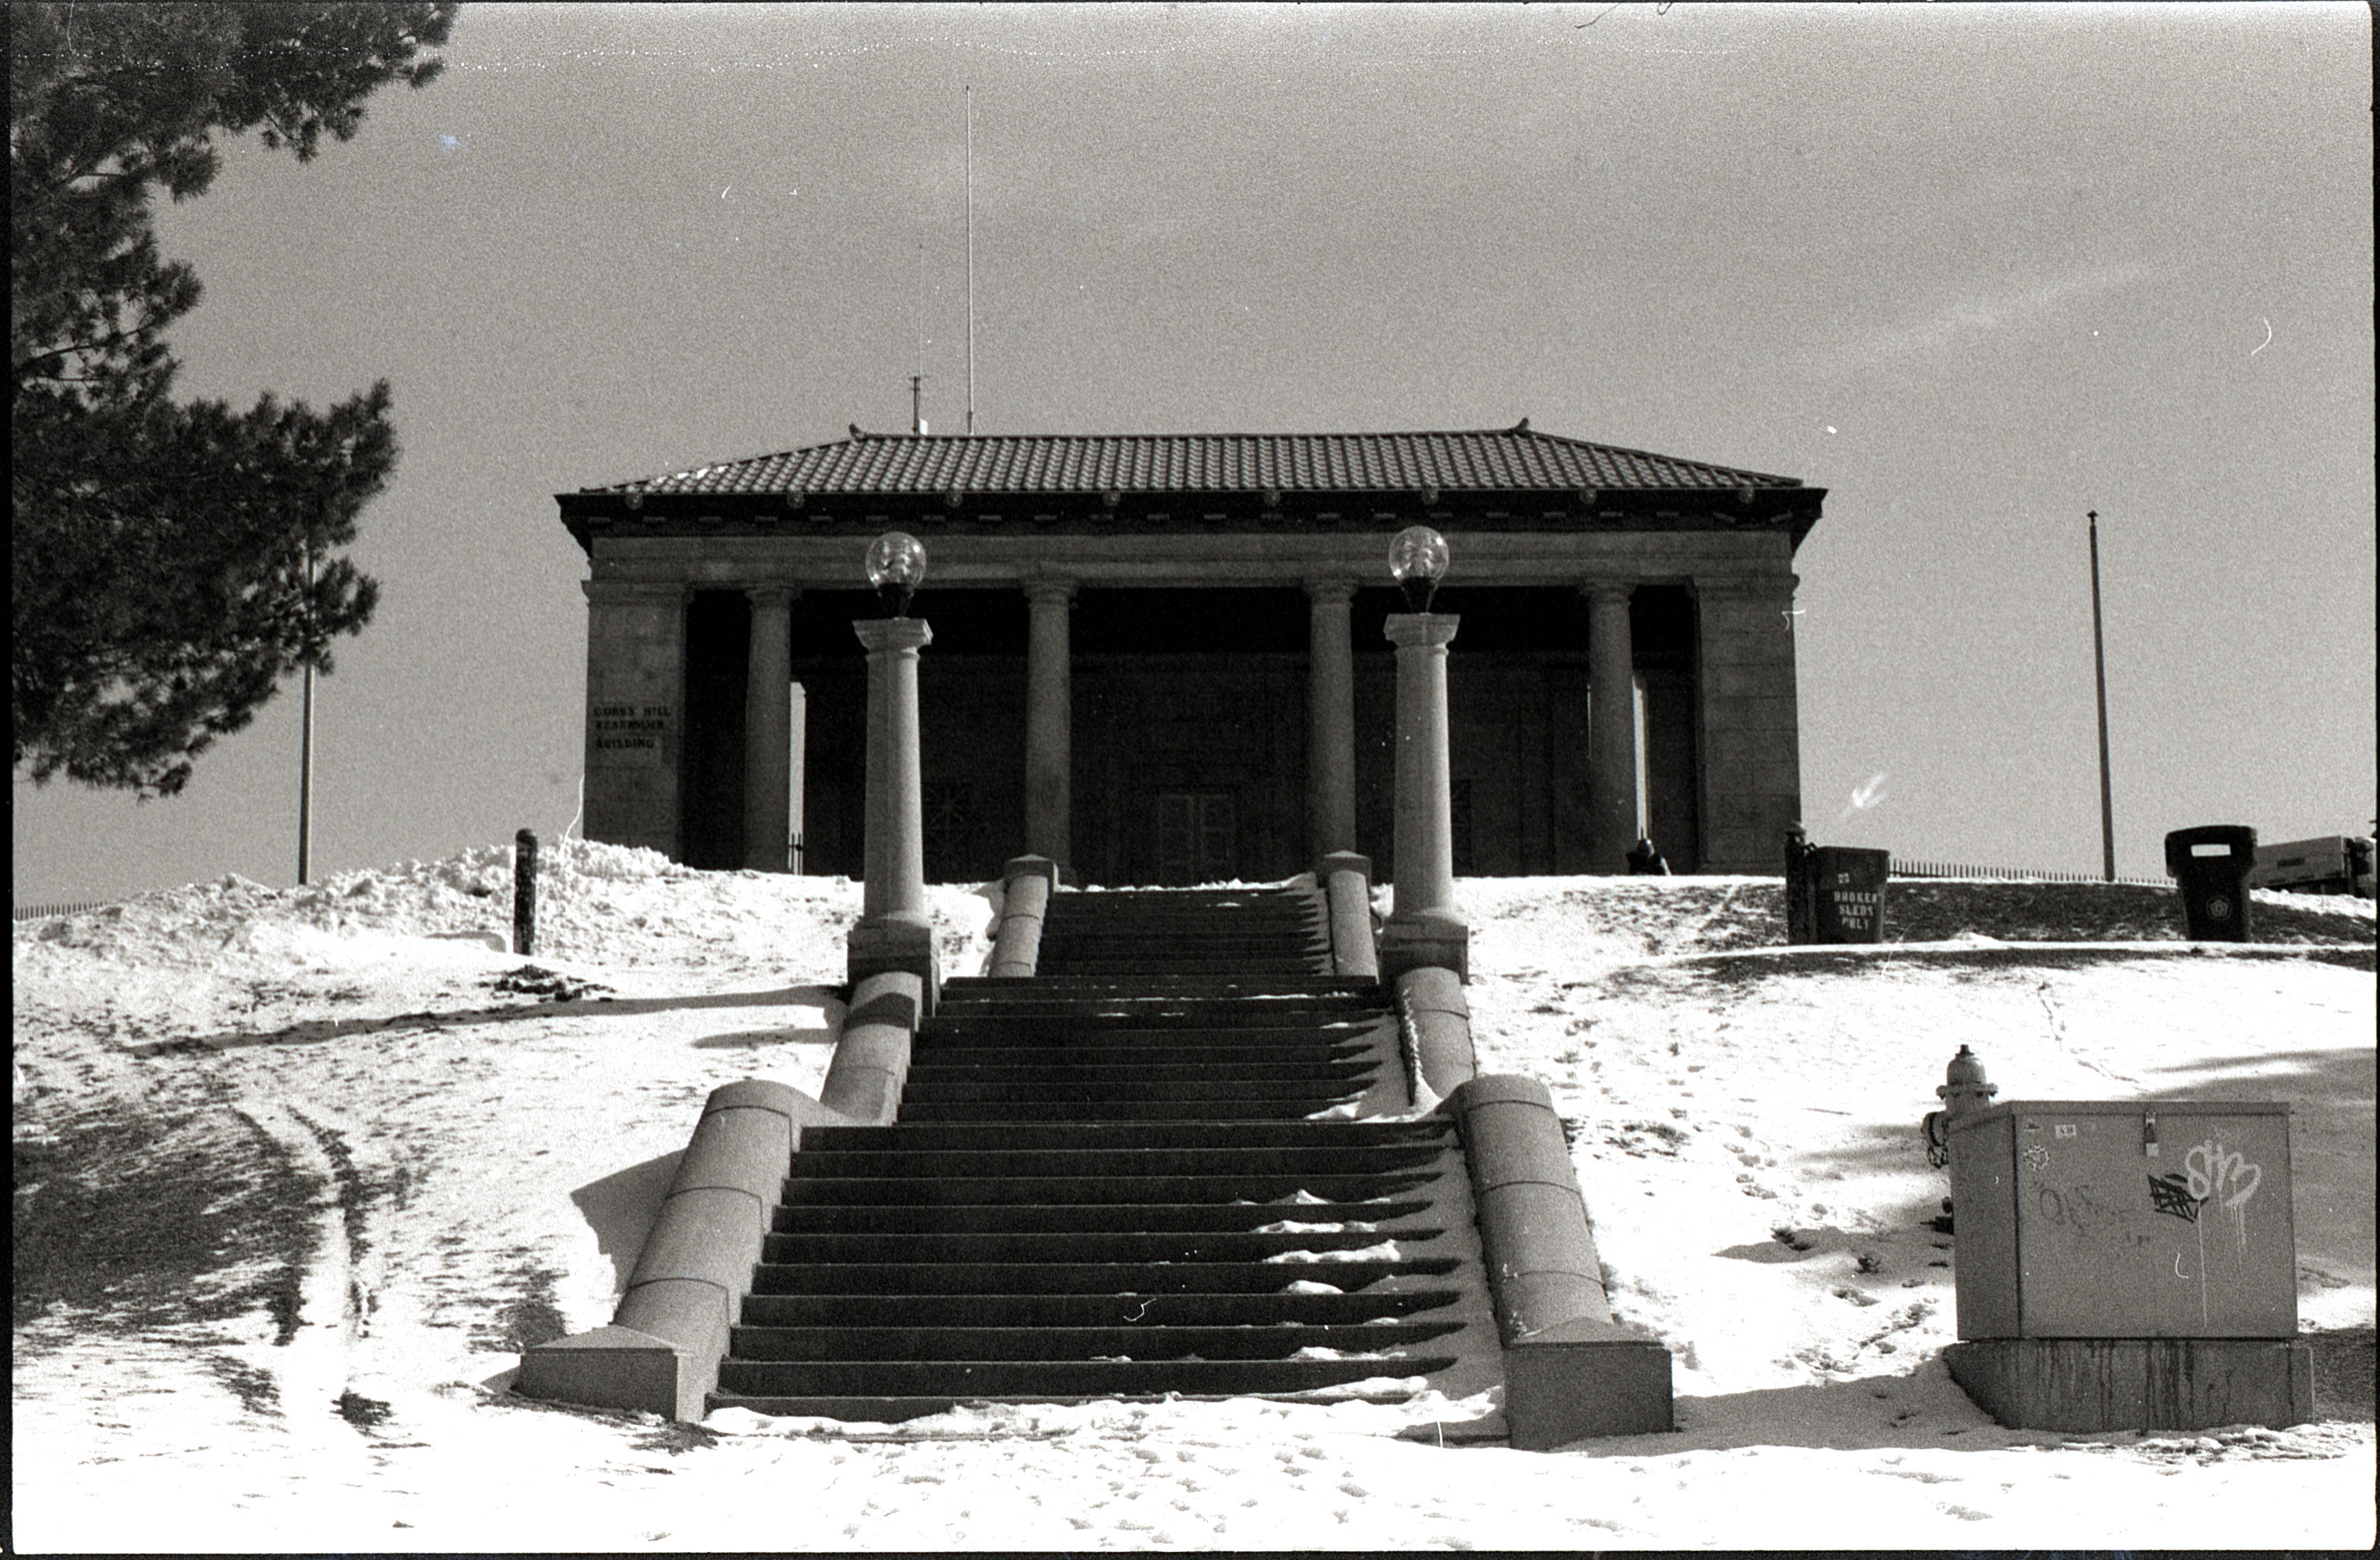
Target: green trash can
x=2211 y=862
x=1833 y=893
x=1850 y=892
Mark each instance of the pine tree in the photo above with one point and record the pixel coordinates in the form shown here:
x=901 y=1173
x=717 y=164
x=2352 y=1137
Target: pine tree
x=160 y=550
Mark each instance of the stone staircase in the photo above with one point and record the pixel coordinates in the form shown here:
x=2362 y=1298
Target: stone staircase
x=1137 y=1173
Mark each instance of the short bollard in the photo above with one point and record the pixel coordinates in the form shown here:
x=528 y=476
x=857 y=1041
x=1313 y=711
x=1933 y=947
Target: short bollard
x=525 y=892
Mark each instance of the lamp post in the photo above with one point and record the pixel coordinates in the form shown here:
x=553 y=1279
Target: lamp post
x=1424 y=926
x=895 y=932
x=306 y=736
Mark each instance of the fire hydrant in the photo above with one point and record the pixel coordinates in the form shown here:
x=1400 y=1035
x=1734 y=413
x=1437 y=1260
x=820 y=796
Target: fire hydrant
x=1964 y=1090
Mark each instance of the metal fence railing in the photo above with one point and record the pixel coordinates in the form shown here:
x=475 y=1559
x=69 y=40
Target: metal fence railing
x=44 y=912
x=2013 y=874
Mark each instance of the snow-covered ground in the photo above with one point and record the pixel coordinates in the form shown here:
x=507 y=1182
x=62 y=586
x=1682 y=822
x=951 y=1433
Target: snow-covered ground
x=299 y=1172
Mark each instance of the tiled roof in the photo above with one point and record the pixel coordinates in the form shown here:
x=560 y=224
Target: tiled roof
x=1510 y=459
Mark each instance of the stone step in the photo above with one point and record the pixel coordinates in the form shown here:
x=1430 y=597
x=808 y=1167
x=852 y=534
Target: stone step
x=1093 y=935
x=1062 y=1067
x=1031 y=987
x=867 y=1219
x=1265 y=1187
x=1436 y=1132
x=1092 y=1310
x=1183 y=962
x=1182 y=901
x=1321 y=1032
x=1098 y=938
x=754 y=1378
x=1085 y=1163
x=1280 y=1041
x=1117 y=1248
x=1219 y=997
x=1120 y=1111
x=1078 y=1278
x=925 y=1343
x=897 y=1410
x=1216 y=1094
x=1106 y=943
x=1060 y=1017
x=1243 y=918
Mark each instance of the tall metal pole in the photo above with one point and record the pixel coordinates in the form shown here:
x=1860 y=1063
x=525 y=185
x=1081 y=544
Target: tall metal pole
x=306 y=734
x=2099 y=656
x=970 y=247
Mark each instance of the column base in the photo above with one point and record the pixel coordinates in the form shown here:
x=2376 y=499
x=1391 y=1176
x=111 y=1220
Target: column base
x=2093 y=1384
x=1426 y=939
x=890 y=944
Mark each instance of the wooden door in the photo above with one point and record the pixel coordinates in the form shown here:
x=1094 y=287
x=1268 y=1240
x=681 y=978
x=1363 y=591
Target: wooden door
x=1198 y=837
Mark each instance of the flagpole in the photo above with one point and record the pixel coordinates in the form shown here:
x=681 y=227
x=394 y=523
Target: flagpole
x=2099 y=658
x=970 y=260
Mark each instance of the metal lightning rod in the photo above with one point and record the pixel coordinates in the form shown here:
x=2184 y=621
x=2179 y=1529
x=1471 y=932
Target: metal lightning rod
x=2099 y=656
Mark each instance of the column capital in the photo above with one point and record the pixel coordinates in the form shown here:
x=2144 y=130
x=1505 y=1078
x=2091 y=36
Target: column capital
x=1415 y=630
x=893 y=634
x=772 y=595
x=1609 y=590
x=1040 y=590
x=1331 y=592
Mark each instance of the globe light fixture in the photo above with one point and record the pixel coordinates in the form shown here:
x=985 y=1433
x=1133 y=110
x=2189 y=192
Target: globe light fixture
x=1418 y=560
x=897 y=566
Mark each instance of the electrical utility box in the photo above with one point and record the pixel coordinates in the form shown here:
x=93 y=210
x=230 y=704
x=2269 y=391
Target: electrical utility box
x=2124 y=1219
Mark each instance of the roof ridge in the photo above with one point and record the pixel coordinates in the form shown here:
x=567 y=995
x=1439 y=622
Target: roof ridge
x=1308 y=433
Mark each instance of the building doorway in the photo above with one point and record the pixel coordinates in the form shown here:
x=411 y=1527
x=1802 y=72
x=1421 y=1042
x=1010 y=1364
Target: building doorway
x=1198 y=837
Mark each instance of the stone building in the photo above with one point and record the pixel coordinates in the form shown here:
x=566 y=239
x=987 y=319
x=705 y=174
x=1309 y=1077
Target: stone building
x=1159 y=658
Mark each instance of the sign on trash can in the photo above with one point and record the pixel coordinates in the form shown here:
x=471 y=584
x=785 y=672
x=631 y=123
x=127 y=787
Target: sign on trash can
x=2211 y=862
x=1834 y=893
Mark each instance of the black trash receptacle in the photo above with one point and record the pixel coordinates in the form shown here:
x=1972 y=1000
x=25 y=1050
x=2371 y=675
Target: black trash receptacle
x=2211 y=862
x=1849 y=892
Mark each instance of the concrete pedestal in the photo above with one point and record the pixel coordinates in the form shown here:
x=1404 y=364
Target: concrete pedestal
x=2136 y=1384
x=1584 y=1377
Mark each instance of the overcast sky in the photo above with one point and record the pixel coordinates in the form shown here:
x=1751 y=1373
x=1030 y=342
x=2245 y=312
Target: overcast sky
x=1974 y=269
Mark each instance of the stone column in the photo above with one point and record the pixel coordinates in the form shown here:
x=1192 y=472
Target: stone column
x=1424 y=926
x=768 y=732
x=1750 y=736
x=635 y=683
x=1331 y=719
x=1049 y=723
x=895 y=930
x=1615 y=811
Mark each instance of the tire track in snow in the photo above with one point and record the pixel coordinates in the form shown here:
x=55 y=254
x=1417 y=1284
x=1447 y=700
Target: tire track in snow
x=314 y=1369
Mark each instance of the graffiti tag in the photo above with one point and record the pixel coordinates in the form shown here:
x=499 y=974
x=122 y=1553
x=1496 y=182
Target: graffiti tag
x=2171 y=1194
x=2214 y=1175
